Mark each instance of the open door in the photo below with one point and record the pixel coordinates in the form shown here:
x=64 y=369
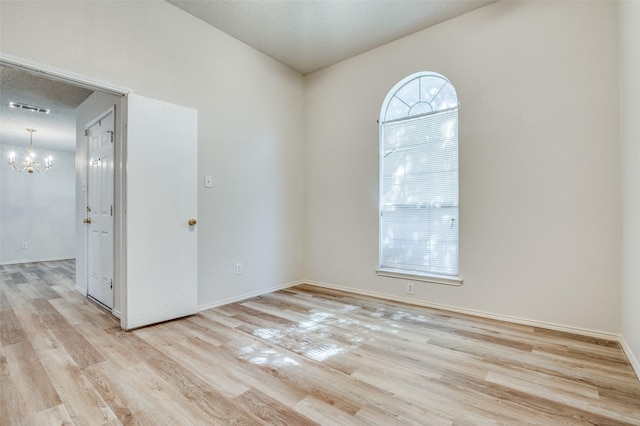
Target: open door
x=161 y=208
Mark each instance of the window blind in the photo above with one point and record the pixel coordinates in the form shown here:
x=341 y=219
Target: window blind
x=419 y=194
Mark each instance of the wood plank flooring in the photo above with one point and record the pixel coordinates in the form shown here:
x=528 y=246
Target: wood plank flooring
x=300 y=356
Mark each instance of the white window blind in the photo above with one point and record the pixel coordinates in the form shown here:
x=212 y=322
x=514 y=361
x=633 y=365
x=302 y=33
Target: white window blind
x=419 y=193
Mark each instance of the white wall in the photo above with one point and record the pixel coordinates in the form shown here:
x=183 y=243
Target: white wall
x=630 y=136
x=250 y=122
x=37 y=209
x=539 y=136
x=540 y=191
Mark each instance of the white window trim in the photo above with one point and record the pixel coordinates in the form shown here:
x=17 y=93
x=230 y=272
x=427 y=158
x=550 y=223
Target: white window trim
x=429 y=278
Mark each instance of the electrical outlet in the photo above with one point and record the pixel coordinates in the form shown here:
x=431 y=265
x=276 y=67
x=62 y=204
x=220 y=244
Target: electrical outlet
x=410 y=288
x=238 y=268
x=24 y=245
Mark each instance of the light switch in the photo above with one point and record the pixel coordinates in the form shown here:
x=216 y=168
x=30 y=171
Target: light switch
x=208 y=182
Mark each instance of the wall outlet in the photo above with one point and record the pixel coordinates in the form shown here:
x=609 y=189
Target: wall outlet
x=208 y=182
x=410 y=288
x=24 y=245
x=238 y=268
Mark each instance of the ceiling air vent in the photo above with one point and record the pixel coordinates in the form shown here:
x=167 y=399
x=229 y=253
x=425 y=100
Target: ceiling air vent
x=31 y=108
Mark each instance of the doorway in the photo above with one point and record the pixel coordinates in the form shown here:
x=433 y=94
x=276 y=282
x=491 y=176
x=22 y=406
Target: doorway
x=155 y=257
x=87 y=103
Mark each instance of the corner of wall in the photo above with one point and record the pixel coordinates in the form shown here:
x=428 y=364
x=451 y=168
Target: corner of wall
x=629 y=46
x=635 y=364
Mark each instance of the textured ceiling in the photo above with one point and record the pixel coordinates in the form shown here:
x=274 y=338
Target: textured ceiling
x=56 y=130
x=305 y=35
x=308 y=35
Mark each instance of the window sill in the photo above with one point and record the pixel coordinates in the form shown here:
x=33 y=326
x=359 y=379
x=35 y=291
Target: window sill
x=431 y=278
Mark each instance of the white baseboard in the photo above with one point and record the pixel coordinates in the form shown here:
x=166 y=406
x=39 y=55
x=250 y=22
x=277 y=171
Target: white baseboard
x=82 y=291
x=247 y=295
x=630 y=356
x=48 y=259
x=523 y=321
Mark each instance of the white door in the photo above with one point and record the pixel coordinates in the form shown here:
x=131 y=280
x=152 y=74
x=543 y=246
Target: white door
x=100 y=149
x=161 y=199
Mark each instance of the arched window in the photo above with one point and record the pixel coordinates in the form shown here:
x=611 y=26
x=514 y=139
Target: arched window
x=419 y=180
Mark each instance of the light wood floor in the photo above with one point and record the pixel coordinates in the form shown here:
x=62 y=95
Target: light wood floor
x=296 y=357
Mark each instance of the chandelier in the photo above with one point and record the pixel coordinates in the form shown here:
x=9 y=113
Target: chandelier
x=31 y=164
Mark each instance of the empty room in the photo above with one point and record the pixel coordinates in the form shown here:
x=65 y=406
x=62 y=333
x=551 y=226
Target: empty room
x=319 y=212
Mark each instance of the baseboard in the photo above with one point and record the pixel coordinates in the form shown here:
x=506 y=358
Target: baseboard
x=82 y=291
x=630 y=356
x=48 y=259
x=247 y=296
x=522 y=321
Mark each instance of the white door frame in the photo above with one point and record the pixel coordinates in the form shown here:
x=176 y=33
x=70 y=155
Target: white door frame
x=119 y=231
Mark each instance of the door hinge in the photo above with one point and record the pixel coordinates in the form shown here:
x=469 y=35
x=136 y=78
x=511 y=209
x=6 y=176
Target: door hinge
x=112 y=210
x=87 y=132
x=111 y=283
x=110 y=135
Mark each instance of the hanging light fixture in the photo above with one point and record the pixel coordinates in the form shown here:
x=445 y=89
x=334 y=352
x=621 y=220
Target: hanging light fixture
x=31 y=164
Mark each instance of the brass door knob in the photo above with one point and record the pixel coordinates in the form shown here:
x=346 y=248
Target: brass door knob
x=87 y=220
x=192 y=222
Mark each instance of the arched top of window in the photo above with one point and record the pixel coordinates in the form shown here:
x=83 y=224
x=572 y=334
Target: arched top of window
x=419 y=94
